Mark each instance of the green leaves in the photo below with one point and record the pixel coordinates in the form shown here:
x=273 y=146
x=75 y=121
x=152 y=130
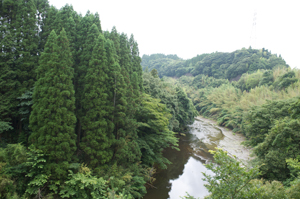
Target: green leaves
x=13 y=168
x=83 y=185
x=98 y=108
x=260 y=119
x=52 y=119
x=282 y=142
x=218 y=65
x=5 y=126
x=175 y=98
x=231 y=179
x=153 y=132
x=106 y=73
x=36 y=163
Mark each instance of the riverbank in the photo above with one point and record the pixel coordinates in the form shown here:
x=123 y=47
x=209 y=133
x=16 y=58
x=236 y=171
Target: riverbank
x=231 y=142
x=186 y=172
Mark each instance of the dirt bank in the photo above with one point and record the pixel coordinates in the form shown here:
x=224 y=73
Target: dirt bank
x=231 y=142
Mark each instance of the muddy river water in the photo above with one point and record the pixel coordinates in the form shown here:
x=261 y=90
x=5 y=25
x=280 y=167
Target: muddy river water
x=185 y=174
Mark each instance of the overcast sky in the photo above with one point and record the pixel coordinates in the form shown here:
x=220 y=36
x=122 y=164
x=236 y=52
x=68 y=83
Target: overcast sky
x=192 y=27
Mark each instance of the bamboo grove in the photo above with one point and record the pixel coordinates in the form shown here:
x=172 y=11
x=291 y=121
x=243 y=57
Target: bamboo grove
x=77 y=118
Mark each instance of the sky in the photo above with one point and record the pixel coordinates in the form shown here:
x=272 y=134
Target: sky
x=191 y=27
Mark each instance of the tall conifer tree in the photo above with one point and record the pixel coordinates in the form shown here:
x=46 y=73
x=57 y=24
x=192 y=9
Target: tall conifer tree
x=115 y=37
x=97 y=128
x=65 y=19
x=85 y=38
x=8 y=81
x=86 y=54
x=97 y=21
x=27 y=44
x=136 y=63
x=118 y=88
x=110 y=71
x=128 y=150
x=82 y=28
x=52 y=119
x=119 y=97
x=125 y=55
x=19 y=54
x=42 y=14
x=62 y=17
x=81 y=71
x=70 y=28
x=47 y=26
x=26 y=50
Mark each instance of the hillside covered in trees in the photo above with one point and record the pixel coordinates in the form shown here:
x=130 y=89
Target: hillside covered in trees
x=251 y=92
x=78 y=118
x=218 y=65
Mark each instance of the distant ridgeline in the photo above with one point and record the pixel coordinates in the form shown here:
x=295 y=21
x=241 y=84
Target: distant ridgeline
x=218 y=65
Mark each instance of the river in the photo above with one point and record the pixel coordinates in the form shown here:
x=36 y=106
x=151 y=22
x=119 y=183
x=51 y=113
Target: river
x=185 y=174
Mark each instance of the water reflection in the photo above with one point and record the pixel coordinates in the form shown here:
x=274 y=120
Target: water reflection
x=185 y=174
x=163 y=177
x=190 y=181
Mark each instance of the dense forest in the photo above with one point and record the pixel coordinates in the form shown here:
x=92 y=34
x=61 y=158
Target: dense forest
x=78 y=117
x=82 y=115
x=252 y=92
x=218 y=65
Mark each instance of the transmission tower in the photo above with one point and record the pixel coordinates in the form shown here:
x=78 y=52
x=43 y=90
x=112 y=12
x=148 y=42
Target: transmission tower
x=253 y=31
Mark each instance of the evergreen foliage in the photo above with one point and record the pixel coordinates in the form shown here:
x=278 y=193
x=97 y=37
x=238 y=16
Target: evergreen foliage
x=80 y=74
x=25 y=107
x=91 y=84
x=27 y=47
x=115 y=37
x=86 y=55
x=19 y=54
x=96 y=123
x=47 y=24
x=127 y=149
x=136 y=65
x=40 y=74
x=52 y=119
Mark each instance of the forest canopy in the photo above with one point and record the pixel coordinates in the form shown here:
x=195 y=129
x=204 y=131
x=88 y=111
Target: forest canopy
x=77 y=120
x=218 y=65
